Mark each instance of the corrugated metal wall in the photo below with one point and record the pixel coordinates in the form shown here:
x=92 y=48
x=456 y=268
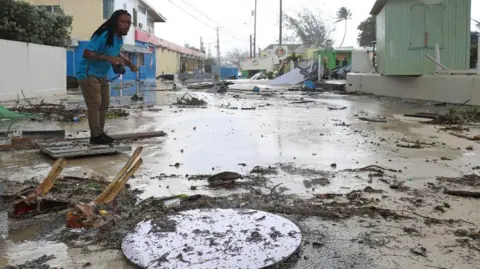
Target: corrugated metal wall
x=381 y=49
x=404 y=58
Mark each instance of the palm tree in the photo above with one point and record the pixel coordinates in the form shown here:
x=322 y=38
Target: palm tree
x=344 y=14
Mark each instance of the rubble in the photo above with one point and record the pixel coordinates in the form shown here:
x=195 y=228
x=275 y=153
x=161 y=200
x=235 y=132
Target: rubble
x=63 y=113
x=38 y=263
x=190 y=100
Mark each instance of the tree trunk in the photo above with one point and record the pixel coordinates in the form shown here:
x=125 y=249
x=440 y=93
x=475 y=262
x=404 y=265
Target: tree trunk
x=344 y=34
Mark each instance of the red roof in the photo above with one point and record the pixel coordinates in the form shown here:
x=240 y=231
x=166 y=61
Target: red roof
x=146 y=37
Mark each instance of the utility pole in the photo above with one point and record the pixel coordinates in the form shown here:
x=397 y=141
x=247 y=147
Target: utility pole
x=218 y=47
x=250 y=46
x=255 y=31
x=281 y=14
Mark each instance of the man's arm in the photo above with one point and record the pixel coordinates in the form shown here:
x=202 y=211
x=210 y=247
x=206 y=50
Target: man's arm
x=92 y=55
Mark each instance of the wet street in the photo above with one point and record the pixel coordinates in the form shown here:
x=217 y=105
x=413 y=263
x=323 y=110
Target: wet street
x=314 y=140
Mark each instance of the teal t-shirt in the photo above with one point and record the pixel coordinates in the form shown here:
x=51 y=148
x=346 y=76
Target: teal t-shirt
x=98 y=44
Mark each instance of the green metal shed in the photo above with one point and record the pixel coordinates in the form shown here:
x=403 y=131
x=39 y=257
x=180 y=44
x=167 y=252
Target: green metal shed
x=407 y=30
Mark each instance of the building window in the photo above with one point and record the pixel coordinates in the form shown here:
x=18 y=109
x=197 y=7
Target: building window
x=53 y=8
x=107 y=8
x=134 y=18
x=140 y=59
x=150 y=25
x=142 y=9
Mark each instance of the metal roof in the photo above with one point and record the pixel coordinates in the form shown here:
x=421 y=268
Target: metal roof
x=157 y=17
x=291 y=47
x=133 y=48
x=377 y=7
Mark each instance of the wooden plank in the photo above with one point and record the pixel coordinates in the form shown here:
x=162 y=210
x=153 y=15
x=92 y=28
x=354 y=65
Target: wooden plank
x=44 y=134
x=118 y=137
x=138 y=135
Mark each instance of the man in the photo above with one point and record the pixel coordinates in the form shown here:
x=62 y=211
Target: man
x=344 y=62
x=101 y=53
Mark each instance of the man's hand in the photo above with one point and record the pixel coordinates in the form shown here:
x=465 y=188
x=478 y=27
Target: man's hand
x=114 y=60
x=134 y=68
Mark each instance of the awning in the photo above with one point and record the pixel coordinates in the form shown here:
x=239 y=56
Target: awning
x=135 y=49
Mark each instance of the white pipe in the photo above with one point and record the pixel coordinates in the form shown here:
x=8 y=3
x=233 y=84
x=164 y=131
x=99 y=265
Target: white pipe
x=431 y=58
x=437 y=56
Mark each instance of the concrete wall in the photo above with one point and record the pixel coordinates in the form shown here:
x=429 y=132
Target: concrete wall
x=40 y=71
x=87 y=15
x=362 y=62
x=168 y=61
x=440 y=88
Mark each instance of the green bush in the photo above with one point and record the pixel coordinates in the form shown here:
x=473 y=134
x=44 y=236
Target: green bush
x=473 y=56
x=270 y=75
x=20 y=21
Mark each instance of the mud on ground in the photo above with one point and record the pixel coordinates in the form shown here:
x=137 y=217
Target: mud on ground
x=368 y=207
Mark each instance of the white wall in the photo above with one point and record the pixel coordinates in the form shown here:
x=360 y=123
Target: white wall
x=40 y=71
x=361 y=62
x=141 y=18
x=261 y=63
x=454 y=89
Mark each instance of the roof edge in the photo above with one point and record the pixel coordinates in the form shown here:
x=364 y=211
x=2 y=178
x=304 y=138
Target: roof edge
x=158 y=17
x=377 y=7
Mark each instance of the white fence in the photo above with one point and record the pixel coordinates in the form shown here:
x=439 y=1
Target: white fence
x=40 y=71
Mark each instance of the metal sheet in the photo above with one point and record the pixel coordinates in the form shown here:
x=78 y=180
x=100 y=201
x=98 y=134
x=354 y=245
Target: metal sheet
x=77 y=149
x=212 y=238
x=133 y=48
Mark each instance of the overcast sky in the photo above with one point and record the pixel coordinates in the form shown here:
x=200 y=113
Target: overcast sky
x=236 y=23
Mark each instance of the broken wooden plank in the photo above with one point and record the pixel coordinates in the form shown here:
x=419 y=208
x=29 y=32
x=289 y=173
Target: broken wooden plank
x=143 y=135
x=376 y=120
x=423 y=115
x=475 y=138
x=44 y=134
x=337 y=108
x=28 y=143
x=471 y=194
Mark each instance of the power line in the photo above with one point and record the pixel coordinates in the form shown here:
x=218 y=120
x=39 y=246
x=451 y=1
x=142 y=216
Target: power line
x=201 y=13
x=192 y=15
x=216 y=23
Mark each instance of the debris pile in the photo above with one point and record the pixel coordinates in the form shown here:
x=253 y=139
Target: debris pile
x=190 y=100
x=61 y=112
x=56 y=112
x=38 y=263
x=453 y=117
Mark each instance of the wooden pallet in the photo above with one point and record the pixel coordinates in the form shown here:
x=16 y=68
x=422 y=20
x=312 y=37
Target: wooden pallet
x=80 y=149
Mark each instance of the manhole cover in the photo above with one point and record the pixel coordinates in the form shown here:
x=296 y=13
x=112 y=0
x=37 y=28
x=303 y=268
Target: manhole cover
x=212 y=238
